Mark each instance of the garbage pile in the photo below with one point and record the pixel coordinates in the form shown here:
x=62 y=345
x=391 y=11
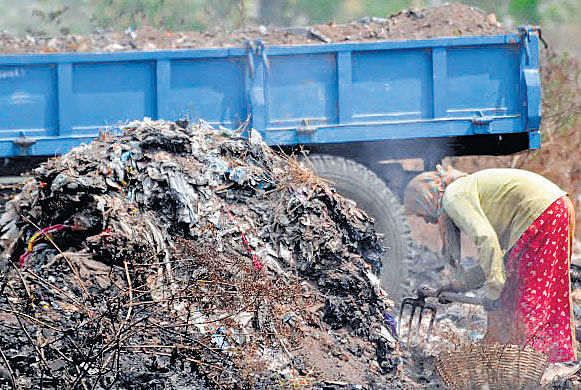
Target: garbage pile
x=447 y=20
x=181 y=256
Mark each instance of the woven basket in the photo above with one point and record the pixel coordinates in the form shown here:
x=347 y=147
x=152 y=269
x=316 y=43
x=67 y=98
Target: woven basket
x=493 y=367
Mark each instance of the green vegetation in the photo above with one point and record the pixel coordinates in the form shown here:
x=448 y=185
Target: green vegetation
x=561 y=78
x=82 y=16
x=525 y=11
x=185 y=14
x=560 y=11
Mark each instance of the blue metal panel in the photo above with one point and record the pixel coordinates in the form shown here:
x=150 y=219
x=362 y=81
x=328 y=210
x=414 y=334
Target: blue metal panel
x=109 y=94
x=163 y=88
x=394 y=84
x=533 y=98
x=257 y=70
x=302 y=88
x=347 y=92
x=28 y=101
x=209 y=89
x=391 y=130
x=65 y=98
x=530 y=79
x=534 y=140
x=395 y=45
x=483 y=80
x=58 y=58
x=45 y=146
x=439 y=82
x=344 y=80
x=55 y=58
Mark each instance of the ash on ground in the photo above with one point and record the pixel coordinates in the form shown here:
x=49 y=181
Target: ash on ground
x=455 y=324
x=181 y=256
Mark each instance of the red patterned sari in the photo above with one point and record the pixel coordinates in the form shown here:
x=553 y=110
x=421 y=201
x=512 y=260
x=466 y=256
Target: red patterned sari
x=535 y=305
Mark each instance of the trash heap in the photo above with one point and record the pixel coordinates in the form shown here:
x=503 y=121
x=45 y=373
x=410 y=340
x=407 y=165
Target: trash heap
x=181 y=256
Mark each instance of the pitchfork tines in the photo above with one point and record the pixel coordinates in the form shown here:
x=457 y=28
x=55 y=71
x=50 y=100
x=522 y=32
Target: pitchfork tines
x=415 y=304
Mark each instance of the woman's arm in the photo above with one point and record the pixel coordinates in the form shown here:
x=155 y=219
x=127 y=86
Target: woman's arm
x=465 y=211
x=451 y=244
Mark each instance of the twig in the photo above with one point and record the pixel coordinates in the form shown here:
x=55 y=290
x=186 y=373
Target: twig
x=31 y=318
x=118 y=339
x=186 y=358
x=23 y=327
x=22 y=280
x=12 y=377
x=103 y=368
x=128 y=316
x=233 y=313
x=63 y=356
x=79 y=378
x=42 y=281
x=185 y=336
x=72 y=267
x=158 y=346
x=281 y=341
x=216 y=282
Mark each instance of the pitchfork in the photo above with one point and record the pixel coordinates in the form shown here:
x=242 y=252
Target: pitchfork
x=420 y=303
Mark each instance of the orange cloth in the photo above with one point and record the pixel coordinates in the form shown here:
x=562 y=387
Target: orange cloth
x=423 y=194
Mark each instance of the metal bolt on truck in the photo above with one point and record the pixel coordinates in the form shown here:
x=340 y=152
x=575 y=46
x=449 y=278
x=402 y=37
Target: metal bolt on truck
x=356 y=107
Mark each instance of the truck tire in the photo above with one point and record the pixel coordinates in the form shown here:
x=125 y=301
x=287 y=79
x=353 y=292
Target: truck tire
x=372 y=195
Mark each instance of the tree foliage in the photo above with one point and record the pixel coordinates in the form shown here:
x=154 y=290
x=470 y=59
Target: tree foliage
x=184 y=14
x=560 y=11
x=321 y=11
x=82 y=16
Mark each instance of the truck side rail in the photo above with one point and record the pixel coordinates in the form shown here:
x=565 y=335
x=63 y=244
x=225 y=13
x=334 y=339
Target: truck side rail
x=307 y=94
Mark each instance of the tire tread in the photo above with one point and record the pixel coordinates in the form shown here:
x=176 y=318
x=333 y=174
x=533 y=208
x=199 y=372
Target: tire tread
x=342 y=167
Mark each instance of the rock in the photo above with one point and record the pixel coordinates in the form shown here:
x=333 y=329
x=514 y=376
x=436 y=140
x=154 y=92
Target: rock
x=491 y=19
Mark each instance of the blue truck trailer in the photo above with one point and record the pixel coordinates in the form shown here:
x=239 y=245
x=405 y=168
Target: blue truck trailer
x=356 y=106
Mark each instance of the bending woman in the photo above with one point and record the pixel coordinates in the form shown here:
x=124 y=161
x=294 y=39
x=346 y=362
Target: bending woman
x=522 y=225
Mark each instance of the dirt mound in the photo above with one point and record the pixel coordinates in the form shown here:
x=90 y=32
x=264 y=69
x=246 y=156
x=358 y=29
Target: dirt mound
x=443 y=21
x=182 y=256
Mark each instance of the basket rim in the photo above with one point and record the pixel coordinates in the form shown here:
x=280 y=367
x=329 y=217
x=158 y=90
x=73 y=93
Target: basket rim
x=472 y=364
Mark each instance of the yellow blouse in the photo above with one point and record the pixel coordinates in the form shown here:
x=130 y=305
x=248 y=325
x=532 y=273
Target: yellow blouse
x=494 y=207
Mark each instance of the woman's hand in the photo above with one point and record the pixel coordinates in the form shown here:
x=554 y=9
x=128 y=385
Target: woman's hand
x=491 y=305
x=464 y=279
x=455 y=286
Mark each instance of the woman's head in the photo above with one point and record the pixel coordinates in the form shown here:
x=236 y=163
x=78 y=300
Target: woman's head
x=423 y=194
